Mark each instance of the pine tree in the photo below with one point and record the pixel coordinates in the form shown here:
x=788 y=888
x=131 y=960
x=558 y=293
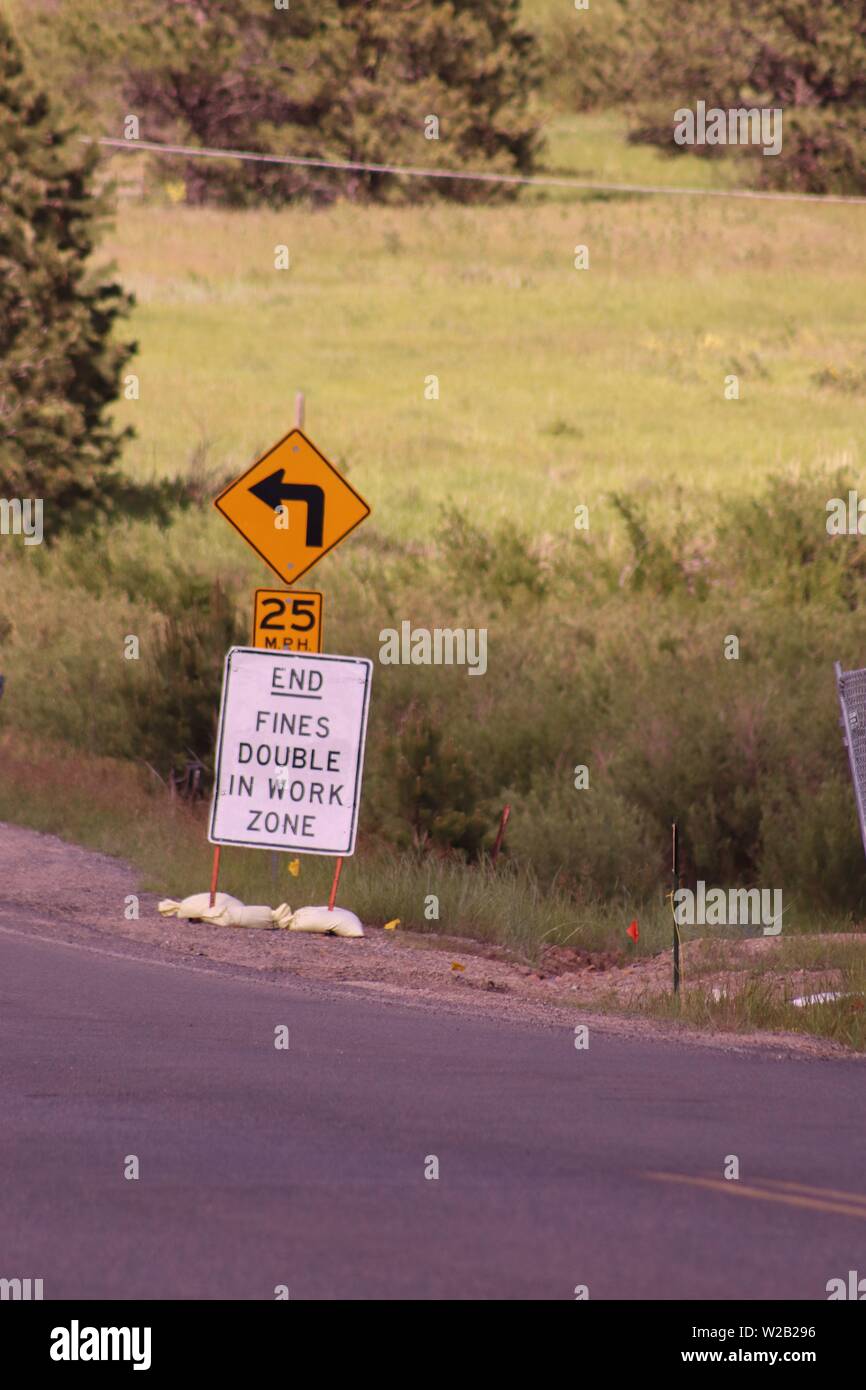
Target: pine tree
x=353 y=81
x=60 y=365
x=806 y=58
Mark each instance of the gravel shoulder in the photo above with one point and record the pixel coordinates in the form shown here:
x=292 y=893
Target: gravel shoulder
x=51 y=888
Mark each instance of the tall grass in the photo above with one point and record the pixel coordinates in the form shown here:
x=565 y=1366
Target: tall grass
x=756 y=1005
x=119 y=809
x=555 y=385
x=606 y=653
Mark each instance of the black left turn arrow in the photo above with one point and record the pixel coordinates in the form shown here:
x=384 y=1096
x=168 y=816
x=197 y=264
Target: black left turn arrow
x=274 y=490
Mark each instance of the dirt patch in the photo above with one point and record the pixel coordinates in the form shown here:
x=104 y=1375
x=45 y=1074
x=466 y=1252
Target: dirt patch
x=52 y=887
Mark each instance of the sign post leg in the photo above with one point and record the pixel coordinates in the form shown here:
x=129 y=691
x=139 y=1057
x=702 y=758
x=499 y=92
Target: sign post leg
x=216 y=873
x=337 y=872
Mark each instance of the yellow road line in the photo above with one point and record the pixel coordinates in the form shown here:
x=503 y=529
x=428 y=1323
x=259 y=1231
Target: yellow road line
x=791 y=1199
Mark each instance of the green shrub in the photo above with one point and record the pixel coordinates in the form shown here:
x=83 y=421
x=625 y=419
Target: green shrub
x=590 y=55
x=587 y=664
x=504 y=565
x=806 y=58
x=170 y=698
x=591 y=841
x=350 y=81
x=435 y=789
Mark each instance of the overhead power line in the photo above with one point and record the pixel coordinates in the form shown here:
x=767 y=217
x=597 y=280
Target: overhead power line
x=409 y=171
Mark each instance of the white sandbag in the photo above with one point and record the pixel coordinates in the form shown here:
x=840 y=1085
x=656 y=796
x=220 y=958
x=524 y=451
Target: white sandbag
x=231 y=912
x=827 y=998
x=226 y=911
x=199 y=905
x=337 y=920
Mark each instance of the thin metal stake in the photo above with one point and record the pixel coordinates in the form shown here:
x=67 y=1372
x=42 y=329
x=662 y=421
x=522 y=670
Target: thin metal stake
x=675 y=877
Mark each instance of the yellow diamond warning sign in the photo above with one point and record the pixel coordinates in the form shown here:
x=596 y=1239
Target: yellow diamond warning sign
x=292 y=506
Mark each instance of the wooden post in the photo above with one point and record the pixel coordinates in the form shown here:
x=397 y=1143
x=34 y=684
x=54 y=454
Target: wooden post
x=275 y=855
x=503 y=821
x=337 y=871
x=216 y=873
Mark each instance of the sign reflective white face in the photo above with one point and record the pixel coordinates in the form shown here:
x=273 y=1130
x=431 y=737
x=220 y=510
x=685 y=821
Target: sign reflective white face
x=290 y=751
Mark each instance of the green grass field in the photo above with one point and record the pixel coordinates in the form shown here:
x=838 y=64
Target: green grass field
x=555 y=384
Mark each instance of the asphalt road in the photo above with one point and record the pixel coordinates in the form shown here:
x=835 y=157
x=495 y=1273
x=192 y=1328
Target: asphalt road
x=305 y=1167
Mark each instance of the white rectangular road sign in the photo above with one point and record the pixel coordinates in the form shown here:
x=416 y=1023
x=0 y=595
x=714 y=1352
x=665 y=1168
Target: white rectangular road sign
x=290 y=751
